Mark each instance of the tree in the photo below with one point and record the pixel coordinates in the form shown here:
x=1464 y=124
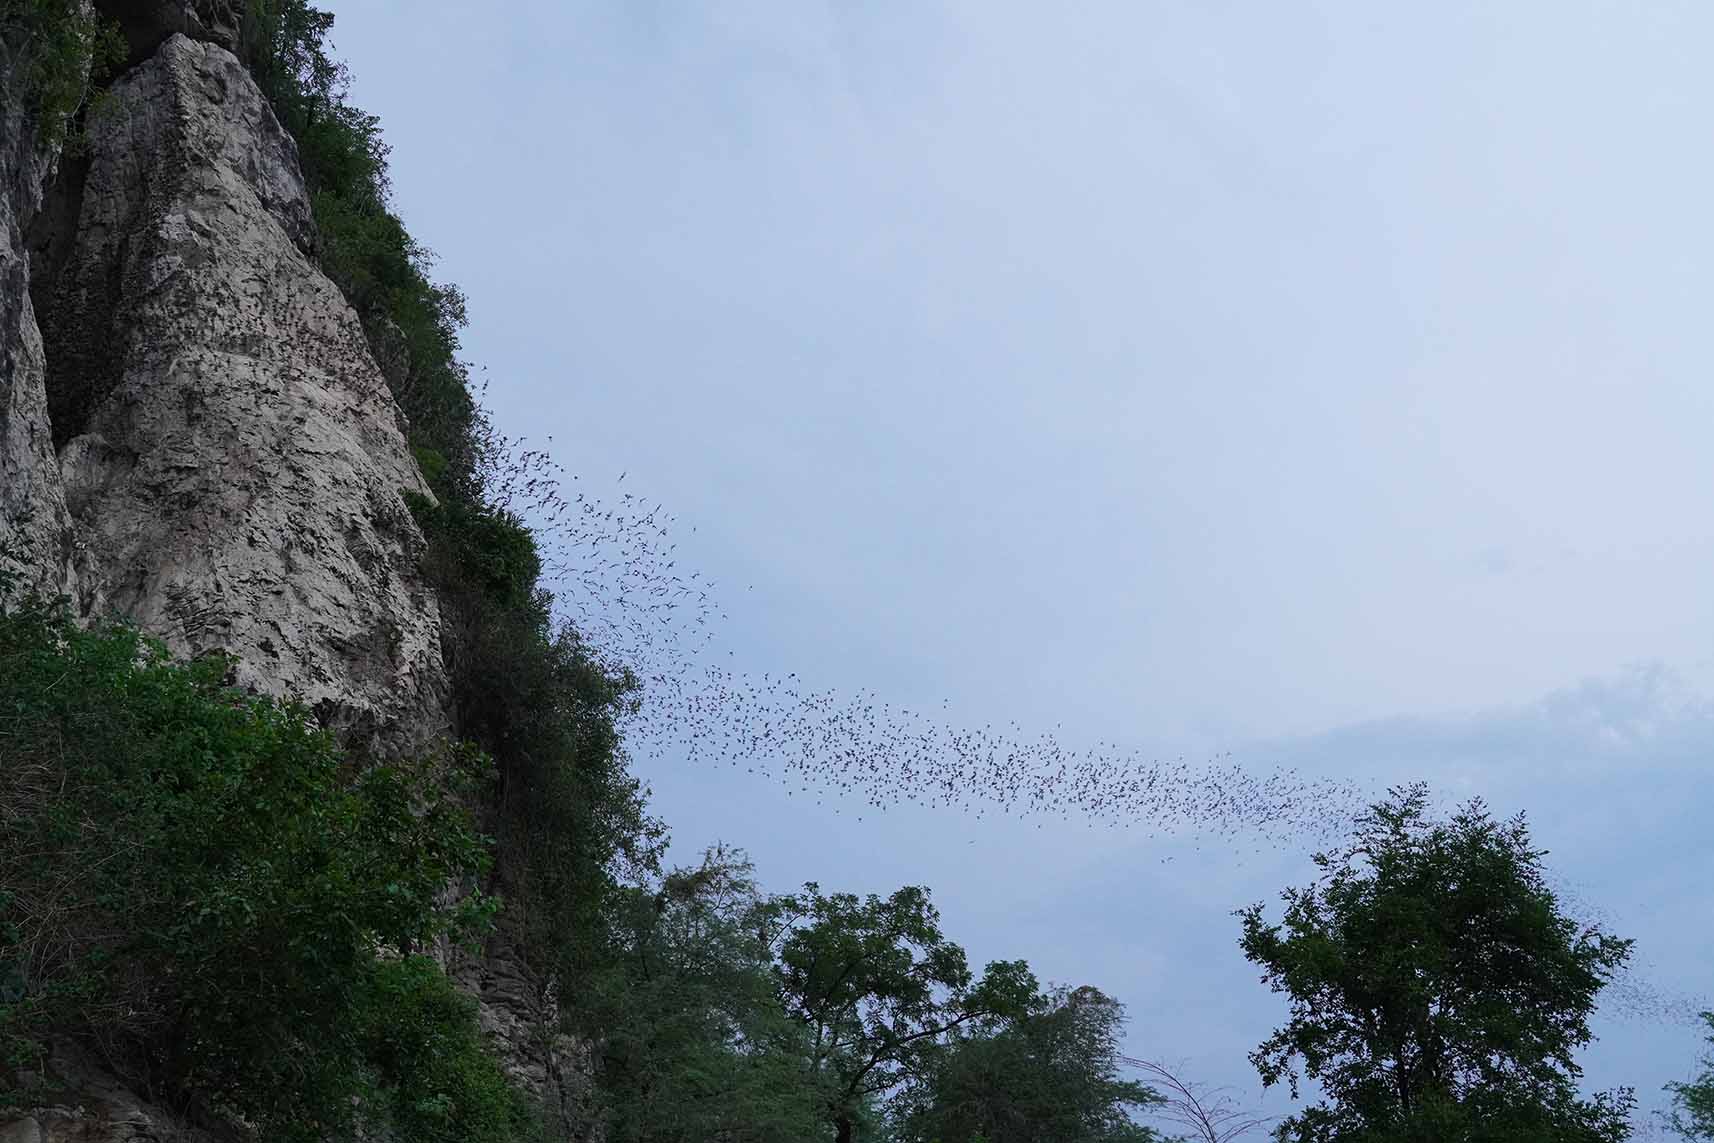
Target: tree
x=1208 y=1115
x=1050 y=1074
x=877 y=989
x=1692 y=1113
x=1437 y=991
x=694 y=1045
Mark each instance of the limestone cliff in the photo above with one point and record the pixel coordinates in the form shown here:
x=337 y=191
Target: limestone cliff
x=33 y=517
x=229 y=460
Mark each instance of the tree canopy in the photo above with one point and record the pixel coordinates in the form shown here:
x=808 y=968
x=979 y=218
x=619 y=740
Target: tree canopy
x=1052 y=1073
x=878 y=987
x=695 y=1045
x=1437 y=991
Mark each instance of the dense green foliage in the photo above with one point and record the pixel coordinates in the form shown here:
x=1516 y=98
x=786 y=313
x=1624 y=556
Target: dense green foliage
x=1051 y=1074
x=696 y=1045
x=200 y=884
x=1437 y=991
x=735 y=1016
x=1692 y=1112
x=878 y=989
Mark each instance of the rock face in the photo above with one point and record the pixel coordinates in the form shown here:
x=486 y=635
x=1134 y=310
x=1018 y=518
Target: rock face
x=104 y=1111
x=33 y=518
x=520 y=1016
x=230 y=458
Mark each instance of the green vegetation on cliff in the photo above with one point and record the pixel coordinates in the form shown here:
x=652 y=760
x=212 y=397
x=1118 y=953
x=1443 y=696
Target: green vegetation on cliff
x=527 y=688
x=204 y=890
x=200 y=886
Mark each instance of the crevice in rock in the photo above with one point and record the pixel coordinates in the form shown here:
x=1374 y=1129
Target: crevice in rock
x=76 y=298
x=51 y=237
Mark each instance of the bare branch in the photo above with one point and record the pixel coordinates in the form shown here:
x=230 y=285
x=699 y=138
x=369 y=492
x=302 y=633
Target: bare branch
x=1208 y=1113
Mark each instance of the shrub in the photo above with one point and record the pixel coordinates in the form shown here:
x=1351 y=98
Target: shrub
x=436 y=1081
x=199 y=883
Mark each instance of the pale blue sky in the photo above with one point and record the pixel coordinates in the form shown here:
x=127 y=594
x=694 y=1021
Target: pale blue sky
x=1321 y=383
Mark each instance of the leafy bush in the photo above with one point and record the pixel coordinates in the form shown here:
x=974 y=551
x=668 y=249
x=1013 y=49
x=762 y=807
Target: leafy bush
x=199 y=883
x=566 y=808
x=1438 y=990
x=493 y=552
x=437 y=1081
x=879 y=990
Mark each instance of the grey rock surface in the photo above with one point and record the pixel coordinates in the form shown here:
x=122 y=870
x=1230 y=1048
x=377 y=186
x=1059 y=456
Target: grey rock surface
x=101 y=1110
x=519 y=1013
x=33 y=517
x=232 y=459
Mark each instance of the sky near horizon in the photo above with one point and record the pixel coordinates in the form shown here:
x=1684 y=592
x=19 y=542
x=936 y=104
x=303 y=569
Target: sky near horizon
x=1322 y=385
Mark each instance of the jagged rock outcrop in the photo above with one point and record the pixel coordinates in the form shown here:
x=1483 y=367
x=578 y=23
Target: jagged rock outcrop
x=230 y=456
x=33 y=518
